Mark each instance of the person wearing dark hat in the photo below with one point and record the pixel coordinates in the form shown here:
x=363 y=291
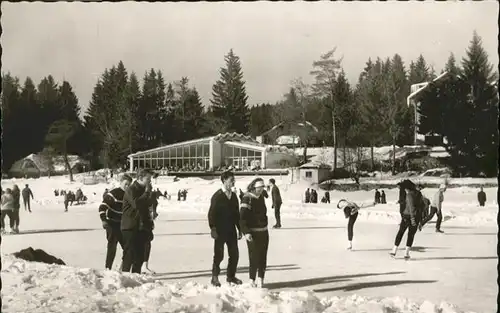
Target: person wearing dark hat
x=481 y=197
x=223 y=220
x=350 y=210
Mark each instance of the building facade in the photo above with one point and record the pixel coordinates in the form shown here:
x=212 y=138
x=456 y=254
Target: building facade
x=211 y=153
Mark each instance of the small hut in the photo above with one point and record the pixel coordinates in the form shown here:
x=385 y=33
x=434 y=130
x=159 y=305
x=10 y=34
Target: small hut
x=314 y=172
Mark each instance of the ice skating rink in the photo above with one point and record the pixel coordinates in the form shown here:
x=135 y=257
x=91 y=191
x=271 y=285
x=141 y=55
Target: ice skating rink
x=308 y=253
x=458 y=266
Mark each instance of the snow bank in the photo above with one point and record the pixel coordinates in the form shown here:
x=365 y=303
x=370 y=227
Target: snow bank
x=37 y=287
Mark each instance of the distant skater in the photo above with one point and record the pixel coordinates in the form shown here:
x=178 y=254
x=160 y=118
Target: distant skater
x=377 y=196
x=481 y=197
x=350 y=212
x=436 y=204
x=16 y=193
x=383 y=199
x=7 y=210
x=277 y=202
x=26 y=198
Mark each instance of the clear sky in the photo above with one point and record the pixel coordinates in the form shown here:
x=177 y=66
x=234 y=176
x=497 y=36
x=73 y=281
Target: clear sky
x=276 y=42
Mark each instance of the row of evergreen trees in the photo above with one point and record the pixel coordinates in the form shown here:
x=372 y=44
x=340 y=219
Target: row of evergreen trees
x=126 y=115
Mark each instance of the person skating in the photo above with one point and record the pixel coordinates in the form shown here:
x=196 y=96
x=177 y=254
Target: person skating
x=27 y=193
x=409 y=219
x=79 y=196
x=436 y=204
x=481 y=197
x=402 y=197
x=16 y=194
x=277 y=202
x=67 y=200
x=383 y=199
x=327 y=196
x=224 y=223
x=350 y=212
x=377 y=196
x=110 y=212
x=314 y=196
x=7 y=210
x=308 y=196
x=253 y=223
x=136 y=203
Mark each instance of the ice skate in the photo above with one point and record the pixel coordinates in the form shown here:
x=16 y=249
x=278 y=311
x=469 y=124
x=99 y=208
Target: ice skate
x=252 y=283
x=260 y=283
x=215 y=281
x=349 y=246
x=147 y=270
x=439 y=231
x=234 y=280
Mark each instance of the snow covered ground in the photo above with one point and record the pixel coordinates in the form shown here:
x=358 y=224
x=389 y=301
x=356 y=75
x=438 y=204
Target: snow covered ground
x=309 y=267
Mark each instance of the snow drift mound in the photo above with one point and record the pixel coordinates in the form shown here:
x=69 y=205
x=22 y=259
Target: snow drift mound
x=38 y=287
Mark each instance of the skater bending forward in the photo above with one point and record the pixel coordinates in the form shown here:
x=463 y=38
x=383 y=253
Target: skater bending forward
x=409 y=220
x=351 y=212
x=253 y=222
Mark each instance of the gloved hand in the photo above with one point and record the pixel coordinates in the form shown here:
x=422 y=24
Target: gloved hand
x=213 y=233
x=413 y=222
x=104 y=224
x=248 y=237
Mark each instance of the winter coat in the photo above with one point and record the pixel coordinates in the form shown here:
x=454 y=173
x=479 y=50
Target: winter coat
x=136 y=203
x=7 y=202
x=276 y=196
x=437 y=200
x=481 y=197
x=16 y=193
x=253 y=213
x=350 y=208
x=111 y=208
x=27 y=193
x=223 y=214
x=411 y=204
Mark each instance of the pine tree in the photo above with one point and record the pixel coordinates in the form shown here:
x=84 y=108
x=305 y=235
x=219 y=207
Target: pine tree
x=480 y=77
x=133 y=99
x=451 y=66
x=193 y=117
x=229 y=98
x=68 y=103
x=419 y=71
x=325 y=71
x=11 y=121
x=31 y=117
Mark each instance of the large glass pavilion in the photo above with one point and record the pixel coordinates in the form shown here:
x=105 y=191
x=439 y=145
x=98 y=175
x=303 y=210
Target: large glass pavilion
x=210 y=153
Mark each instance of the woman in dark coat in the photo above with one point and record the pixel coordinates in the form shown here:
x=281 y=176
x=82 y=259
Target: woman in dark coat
x=253 y=223
x=410 y=218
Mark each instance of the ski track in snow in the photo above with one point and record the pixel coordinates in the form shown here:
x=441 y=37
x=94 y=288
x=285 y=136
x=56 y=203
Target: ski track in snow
x=309 y=267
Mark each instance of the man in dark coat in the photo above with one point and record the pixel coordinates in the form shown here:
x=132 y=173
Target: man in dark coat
x=308 y=196
x=377 y=196
x=16 y=193
x=383 y=199
x=277 y=202
x=110 y=212
x=136 y=203
x=314 y=196
x=223 y=220
x=327 y=196
x=26 y=198
x=481 y=197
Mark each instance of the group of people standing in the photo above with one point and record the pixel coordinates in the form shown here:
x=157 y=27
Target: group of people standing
x=127 y=214
x=230 y=222
x=11 y=205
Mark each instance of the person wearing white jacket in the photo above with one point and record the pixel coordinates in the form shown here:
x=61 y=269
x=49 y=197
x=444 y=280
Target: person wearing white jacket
x=436 y=204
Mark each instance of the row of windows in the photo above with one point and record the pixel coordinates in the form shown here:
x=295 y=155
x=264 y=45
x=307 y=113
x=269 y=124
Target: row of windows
x=235 y=152
x=193 y=151
x=199 y=151
x=193 y=163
